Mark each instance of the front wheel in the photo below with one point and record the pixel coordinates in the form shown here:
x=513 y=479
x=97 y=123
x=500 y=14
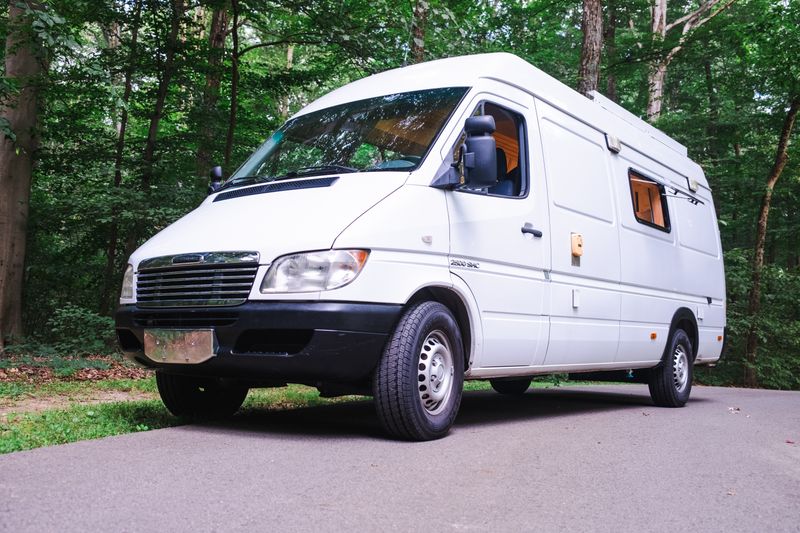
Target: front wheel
x=417 y=385
x=671 y=381
x=192 y=397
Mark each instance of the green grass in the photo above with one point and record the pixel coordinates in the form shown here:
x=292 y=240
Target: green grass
x=23 y=431
x=17 y=390
x=81 y=422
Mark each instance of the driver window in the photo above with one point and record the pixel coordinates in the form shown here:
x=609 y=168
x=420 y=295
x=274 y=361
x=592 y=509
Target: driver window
x=508 y=136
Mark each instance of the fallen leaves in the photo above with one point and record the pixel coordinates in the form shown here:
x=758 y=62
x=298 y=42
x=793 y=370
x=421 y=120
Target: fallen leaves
x=40 y=372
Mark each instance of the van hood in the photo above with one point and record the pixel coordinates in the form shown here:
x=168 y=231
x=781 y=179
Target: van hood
x=284 y=217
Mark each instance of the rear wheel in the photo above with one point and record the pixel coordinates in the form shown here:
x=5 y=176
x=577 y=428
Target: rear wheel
x=671 y=382
x=511 y=387
x=194 y=397
x=418 y=382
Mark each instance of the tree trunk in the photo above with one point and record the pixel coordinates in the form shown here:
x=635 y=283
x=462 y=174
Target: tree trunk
x=418 y=21
x=592 y=28
x=283 y=106
x=207 y=118
x=234 y=84
x=754 y=304
x=658 y=68
x=109 y=277
x=148 y=153
x=655 y=89
x=610 y=39
x=161 y=94
x=712 y=128
x=25 y=65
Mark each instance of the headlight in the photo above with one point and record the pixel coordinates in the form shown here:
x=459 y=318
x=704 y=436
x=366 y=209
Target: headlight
x=314 y=271
x=127 y=284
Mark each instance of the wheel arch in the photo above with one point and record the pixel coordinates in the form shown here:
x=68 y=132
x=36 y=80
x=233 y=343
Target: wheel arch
x=683 y=319
x=453 y=301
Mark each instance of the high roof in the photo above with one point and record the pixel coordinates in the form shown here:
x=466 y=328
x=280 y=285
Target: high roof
x=466 y=71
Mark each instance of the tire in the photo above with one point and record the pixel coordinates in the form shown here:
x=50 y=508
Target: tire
x=671 y=381
x=418 y=383
x=191 y=397
x=511 y=387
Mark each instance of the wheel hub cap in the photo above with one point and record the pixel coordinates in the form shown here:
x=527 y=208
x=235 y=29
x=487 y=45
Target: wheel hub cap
x=680 y=369
x=435 y=372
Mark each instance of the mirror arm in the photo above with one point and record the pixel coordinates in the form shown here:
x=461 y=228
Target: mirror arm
x=449 y=179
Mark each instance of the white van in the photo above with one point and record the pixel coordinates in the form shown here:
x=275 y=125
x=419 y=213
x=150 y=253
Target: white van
x=467 y=218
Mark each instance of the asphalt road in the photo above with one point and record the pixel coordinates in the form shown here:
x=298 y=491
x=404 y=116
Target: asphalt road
x=589 y=459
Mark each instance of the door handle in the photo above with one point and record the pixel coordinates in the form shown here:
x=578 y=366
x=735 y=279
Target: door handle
x=528 y=228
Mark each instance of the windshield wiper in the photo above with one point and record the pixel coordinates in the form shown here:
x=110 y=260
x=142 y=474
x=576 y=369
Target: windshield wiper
x=319 y=169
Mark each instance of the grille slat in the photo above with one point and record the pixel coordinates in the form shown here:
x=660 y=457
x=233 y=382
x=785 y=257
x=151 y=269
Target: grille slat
x=178 y=271
x=199 y=286
x=204 y=279
x=195 y=285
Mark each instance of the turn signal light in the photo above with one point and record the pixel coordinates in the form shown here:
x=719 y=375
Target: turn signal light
x=653 y=336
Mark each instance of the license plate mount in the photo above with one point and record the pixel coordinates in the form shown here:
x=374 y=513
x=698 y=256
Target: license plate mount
x=180 y=346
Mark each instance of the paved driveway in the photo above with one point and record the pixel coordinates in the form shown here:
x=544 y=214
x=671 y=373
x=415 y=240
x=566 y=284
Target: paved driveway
x=569 y=459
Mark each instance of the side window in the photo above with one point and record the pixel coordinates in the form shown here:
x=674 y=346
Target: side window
x=509 y=137
x=649 y=201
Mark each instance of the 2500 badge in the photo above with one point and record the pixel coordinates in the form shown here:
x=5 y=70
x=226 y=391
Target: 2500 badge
x=464 y=264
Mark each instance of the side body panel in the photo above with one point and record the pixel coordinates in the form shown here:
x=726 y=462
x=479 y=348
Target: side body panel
x=585 y=299
x=504 y=267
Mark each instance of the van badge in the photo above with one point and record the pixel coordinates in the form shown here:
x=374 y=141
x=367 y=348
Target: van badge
x=188 y=258
x=464 y=264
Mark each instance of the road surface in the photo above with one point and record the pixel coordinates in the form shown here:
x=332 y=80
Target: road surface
x=568 y=459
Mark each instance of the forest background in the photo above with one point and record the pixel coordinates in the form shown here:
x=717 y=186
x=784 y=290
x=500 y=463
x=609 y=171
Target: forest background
x=113 y=111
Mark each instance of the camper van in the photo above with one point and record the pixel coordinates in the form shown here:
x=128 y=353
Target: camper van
x=469 y=218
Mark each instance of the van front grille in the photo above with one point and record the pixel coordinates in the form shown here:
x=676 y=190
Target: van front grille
x=195 y=284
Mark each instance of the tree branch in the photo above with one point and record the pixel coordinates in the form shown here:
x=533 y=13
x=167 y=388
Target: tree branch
x=276 y=43
x=694 y=14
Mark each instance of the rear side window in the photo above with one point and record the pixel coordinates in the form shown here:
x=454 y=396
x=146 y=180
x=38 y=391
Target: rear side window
x=649 y=201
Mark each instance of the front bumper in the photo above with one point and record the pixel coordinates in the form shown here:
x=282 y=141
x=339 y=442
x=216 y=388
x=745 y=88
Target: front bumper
x=302 y=342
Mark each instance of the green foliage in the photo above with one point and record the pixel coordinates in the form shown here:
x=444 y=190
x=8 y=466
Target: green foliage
x=79 y=331
x=81 y=422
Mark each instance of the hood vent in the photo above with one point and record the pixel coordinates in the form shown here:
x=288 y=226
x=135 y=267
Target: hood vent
x=277 y=187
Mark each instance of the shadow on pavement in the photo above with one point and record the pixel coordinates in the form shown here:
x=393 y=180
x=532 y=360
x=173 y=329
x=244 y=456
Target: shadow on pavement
x=358 y=419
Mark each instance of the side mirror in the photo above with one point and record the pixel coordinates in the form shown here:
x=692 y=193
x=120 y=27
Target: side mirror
x=216 y=179
x=480 y=152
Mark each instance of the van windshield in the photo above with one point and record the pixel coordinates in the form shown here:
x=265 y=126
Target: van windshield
x=391 y=132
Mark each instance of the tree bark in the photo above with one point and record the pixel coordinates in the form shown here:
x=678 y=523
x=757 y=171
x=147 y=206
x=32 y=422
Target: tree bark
x=754 y=303
x=418 y=22
x=592 y=28
x=234 y=83
x=207 y=118
x=25 y=64
x=283 y=106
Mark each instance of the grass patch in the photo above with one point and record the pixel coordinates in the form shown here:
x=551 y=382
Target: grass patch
x=16 y=390
x=81 y=422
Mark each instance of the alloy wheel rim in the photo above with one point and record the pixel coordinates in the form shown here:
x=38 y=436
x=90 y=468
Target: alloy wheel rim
x=435 y=372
